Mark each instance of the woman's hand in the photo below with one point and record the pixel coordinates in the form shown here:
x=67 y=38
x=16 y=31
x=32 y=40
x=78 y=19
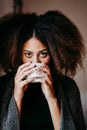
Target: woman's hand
x=46 y=83
x=21 y=83
x=48 y=90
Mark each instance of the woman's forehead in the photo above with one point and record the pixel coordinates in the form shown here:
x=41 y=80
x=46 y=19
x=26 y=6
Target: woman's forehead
x=34 y=44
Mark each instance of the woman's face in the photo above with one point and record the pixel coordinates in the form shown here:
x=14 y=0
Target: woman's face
x=35 y=51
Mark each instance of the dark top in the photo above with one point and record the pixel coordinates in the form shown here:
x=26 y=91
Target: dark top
x=35 y=112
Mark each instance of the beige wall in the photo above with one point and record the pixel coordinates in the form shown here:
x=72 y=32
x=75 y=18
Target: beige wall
x=76 y=10
x=6 y=6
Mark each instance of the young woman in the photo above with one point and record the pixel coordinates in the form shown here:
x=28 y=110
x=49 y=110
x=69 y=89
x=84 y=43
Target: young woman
x=52 y=102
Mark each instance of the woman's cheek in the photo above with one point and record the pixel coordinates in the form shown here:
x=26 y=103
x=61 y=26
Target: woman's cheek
x=46 y=61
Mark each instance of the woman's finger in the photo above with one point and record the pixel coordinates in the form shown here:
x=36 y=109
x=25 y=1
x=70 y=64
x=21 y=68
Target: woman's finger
x=22 y=75
x=21 y=67
x=25 y=82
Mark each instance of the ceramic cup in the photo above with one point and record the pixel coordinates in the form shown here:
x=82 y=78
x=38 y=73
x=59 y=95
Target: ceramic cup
x=36 y=73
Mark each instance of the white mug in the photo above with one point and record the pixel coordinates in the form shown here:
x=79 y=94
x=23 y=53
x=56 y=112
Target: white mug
x=36 y=74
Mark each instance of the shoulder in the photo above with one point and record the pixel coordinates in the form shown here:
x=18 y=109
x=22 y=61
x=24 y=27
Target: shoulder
x=4 y=80
x=72 y=94
x=69 y=86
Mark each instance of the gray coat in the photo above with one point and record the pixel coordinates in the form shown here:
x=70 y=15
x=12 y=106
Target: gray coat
x=69 y=99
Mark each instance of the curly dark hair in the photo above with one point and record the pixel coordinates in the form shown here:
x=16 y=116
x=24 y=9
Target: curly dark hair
x=14 y=30
x=53 y=29
x=64 y=41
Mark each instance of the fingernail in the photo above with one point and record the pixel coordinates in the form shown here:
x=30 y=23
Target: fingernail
x=34 y=66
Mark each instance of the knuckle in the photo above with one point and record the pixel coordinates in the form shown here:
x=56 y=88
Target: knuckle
x=24 y=74
x=15 y=78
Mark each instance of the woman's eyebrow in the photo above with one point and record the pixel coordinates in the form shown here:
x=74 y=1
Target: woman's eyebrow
x=43 y=50
x=27 y=51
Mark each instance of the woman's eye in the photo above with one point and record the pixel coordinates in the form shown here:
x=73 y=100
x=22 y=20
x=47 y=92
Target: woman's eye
x=28 y=55
x=44 y=54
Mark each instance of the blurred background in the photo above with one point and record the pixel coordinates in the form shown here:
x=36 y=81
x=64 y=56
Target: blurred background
x=76 y=10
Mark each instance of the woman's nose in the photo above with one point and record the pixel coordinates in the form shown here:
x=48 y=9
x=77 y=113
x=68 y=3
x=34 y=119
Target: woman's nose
x=36 y=59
